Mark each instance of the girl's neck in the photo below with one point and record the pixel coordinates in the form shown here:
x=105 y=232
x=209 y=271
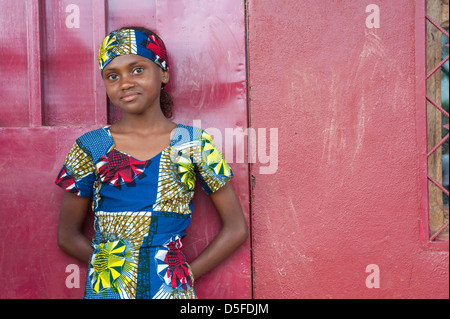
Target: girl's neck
x=147 y=122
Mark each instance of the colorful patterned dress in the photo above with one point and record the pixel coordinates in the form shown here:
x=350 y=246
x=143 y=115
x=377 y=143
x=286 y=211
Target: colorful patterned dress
x=142 y=209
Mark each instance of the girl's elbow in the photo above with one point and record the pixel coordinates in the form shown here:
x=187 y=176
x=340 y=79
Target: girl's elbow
x=242 y=233
x=62 y=242
x=237 y=234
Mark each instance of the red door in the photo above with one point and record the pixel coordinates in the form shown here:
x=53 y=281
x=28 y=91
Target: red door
x=52 y=93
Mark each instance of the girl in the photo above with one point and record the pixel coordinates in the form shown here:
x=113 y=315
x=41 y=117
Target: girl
x=140 y=173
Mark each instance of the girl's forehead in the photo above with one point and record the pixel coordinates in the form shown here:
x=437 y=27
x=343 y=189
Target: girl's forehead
x=127 y=60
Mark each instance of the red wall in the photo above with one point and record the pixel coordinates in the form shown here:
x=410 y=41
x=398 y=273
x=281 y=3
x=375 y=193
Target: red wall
x=347 y=193
x=55 y=93
x=341 y=105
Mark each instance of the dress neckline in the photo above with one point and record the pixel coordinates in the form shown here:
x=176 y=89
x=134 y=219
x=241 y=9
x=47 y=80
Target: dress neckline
x=113 y=147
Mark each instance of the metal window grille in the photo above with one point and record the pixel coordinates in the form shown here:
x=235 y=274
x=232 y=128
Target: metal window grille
x=437 y=120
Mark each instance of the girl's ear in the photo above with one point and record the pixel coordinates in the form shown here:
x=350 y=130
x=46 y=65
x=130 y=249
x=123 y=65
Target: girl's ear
x=165 y=77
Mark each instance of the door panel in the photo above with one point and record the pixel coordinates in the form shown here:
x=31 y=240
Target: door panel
x=206 y=44
x=40 y=120
x=67 y=63
x=13 y=65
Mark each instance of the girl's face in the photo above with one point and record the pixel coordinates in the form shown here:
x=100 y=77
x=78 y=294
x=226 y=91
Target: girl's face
x=133 y=83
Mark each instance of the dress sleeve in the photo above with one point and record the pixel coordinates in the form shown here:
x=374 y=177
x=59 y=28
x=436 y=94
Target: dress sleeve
x=212 y=169
x=78 y=172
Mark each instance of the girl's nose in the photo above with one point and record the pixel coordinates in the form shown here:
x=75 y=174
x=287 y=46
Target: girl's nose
x=127 y=83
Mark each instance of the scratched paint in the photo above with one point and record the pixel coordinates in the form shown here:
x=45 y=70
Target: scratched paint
x=208 y=82
x=347 y=192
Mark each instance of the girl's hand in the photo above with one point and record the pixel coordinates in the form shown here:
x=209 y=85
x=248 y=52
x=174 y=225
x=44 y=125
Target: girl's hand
x=70 y=227
x=233 y=233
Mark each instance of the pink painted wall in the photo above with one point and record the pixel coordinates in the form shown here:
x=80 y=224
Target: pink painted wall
x=347 y=192
x=345 y=100
x=55 y=94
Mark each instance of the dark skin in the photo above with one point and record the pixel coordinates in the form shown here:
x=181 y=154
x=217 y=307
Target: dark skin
x=133 y=83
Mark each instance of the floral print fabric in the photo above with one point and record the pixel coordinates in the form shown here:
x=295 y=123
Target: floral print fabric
x=142 y=209
x=130 y=41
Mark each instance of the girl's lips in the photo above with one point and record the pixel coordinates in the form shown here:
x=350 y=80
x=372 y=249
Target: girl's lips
x=129 y=97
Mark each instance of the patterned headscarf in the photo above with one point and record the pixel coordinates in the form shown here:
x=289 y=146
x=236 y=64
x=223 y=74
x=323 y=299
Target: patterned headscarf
x=130 y=41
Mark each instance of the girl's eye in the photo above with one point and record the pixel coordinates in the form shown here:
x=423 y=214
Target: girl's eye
x=138 y=70
x=112 y=76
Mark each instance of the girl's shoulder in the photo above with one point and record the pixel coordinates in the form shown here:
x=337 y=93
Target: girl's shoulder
x=97 y=134
x=187 y=133
x=96 y=143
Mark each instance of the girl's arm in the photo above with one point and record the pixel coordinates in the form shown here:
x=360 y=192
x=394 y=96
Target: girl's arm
x=233 y=233
x=70 y=235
